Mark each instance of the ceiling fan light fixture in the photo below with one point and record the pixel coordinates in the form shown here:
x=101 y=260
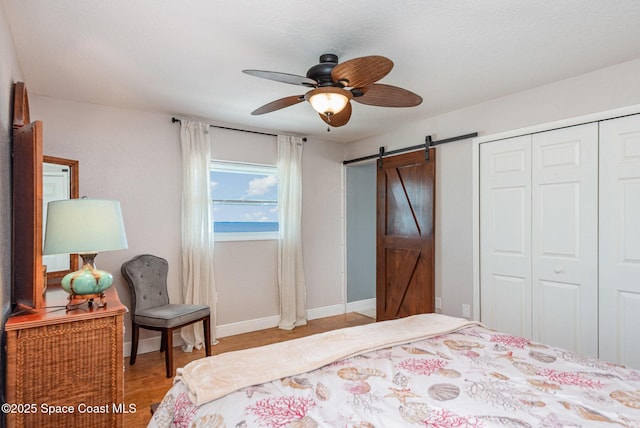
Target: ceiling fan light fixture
x=328 y=100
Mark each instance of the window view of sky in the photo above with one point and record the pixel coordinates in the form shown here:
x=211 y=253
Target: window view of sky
x=241 y=197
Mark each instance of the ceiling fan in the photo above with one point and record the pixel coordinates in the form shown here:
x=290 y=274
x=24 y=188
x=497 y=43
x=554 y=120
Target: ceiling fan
x=335 y=85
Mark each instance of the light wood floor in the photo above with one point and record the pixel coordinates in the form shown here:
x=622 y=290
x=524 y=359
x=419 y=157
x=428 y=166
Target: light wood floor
x=145 y=382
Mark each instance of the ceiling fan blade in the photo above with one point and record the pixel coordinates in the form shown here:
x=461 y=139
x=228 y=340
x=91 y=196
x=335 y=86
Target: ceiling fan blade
x=363 y=71
x=338 y=119
x=283 y=77
x=278 y=104
x=382 y=95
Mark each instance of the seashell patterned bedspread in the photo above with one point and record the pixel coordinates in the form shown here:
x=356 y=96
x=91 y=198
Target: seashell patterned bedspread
x=472 y=377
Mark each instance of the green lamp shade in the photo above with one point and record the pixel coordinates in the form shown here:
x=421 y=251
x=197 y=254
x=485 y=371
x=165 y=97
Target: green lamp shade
x=87 y=227
x=84 y=226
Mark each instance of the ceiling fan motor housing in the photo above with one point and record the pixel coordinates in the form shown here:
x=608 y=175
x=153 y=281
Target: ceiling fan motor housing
x=321 y=73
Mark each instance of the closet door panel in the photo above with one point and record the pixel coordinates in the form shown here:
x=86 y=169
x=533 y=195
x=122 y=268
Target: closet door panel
x=558 y=314
x=505 y=212
x=620 y=241
x=564 y=238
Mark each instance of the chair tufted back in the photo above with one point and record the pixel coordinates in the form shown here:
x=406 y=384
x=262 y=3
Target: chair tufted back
x=147 y=278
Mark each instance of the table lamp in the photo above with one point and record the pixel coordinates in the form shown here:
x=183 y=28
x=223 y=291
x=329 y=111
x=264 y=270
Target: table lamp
x=85 y=226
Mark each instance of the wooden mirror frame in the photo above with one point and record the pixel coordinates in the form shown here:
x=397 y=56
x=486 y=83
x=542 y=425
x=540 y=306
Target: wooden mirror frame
x=27 y=279
x=73 y=166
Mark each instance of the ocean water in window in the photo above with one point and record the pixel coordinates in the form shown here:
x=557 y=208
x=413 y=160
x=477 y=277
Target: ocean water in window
x=245 y=198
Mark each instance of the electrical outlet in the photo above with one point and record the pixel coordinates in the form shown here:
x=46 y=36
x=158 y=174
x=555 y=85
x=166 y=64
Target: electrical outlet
x=439 y=303
x=466 y=310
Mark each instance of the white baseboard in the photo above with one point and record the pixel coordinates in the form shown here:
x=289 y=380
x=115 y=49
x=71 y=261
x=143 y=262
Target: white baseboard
x=247 y=326
x=367 y=306
x=326 y=311
x=152 y=344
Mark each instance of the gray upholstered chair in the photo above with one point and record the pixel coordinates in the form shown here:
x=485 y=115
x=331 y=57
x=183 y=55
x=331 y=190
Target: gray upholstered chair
x=150 y=308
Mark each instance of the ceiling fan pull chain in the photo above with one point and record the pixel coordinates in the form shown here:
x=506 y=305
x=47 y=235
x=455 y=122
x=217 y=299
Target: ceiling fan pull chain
x=328 y=114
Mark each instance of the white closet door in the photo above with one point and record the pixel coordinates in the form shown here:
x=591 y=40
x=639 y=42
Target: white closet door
x=505 y=230
x=620 y=241
x=565 y=238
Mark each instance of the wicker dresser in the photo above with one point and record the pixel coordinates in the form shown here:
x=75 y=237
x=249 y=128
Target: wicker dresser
x=66 y=369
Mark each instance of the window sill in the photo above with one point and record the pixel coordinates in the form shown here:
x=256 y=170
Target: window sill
x=245 y=236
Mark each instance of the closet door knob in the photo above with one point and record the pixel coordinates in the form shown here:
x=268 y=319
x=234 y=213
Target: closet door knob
x=558 y=269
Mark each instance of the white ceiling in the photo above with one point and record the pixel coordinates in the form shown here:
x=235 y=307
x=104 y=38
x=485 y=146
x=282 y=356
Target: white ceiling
x=186 y=57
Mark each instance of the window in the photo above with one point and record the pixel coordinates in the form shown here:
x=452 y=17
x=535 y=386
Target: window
x=245 y=201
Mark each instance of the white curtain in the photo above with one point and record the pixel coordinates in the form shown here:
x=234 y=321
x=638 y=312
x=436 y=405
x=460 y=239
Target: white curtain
x=198 y=285
x=291 y=281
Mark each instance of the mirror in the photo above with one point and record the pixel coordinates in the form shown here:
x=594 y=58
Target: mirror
x=59 y=181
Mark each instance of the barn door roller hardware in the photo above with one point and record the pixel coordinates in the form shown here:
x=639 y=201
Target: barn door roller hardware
x=428 y=144
x=380 y=156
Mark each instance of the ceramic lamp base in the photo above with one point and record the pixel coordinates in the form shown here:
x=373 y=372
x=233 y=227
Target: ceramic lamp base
x=87 y=283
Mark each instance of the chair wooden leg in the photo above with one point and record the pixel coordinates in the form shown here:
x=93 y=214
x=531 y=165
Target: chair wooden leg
x=163 y=341
x=207 y=336
x=135 y=330
x=168 y=353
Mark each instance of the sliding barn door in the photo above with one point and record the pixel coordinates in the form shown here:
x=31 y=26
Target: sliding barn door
x=620 y=241
x=505 y=235
x=405 y=235
x=565 y=238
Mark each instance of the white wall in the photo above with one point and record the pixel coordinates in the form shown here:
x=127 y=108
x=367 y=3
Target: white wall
x=246 y=272
x=601 y=90
x=130 y=156
x=134 y=156
x=322 y=226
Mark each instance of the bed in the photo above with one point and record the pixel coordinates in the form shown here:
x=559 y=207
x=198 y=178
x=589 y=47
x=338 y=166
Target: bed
x=426 y=370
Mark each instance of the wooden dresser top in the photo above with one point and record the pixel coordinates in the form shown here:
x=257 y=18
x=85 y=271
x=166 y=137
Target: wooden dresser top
x=53 y=310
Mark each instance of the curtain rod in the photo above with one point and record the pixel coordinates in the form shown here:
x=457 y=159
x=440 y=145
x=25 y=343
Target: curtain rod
x=175 y=119
x=406 y=149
